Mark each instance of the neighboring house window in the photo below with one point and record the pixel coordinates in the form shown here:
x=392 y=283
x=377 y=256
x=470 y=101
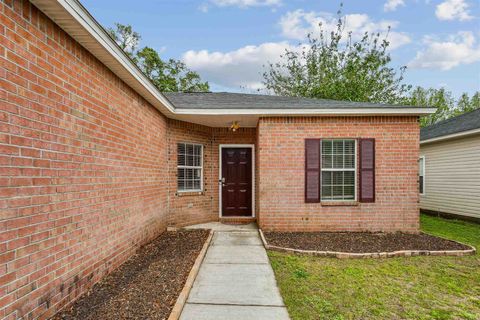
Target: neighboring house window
x=189 y=167
x=421 y=174
x=338 y=164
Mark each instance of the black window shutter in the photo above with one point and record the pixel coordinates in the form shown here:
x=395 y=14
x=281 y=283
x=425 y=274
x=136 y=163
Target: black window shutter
x=312 y=170
x=367 y=170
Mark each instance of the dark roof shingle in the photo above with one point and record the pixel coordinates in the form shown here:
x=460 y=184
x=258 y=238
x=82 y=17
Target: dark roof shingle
x=465 y=122
x=227 y=100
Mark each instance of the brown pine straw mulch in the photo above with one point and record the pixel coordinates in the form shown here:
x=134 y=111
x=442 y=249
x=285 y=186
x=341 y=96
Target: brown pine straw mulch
x=360 y=242
x=147 y=285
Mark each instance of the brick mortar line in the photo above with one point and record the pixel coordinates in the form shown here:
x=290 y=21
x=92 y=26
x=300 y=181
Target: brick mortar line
x=70 y=208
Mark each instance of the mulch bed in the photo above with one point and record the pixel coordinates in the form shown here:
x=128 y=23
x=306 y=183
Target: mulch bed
x=147 y=285
x=359 y=242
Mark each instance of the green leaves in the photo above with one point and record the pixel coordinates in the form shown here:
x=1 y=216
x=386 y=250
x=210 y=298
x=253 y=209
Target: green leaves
x=335 y=66
x=168 y=76
x=443 y=100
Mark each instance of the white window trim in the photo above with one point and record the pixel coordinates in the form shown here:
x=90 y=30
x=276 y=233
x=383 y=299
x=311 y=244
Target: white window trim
x=424 y=175
x=355 y=170
x=220 y=147
x=192 y=167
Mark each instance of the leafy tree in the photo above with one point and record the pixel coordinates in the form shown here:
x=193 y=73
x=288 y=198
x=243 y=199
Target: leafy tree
x=168 y=76
x=447 y=106
x=126 y=38
x=466 y=104
x=439 y=98
x=338 y=67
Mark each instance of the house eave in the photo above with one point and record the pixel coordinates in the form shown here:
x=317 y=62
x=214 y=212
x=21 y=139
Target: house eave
x=451 y=136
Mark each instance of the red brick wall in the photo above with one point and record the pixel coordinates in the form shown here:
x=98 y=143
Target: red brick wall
x=281 y=168
x=191 y=208
x=82 y=166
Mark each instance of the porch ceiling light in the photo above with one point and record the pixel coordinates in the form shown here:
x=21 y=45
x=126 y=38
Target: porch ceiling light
x=235 y=126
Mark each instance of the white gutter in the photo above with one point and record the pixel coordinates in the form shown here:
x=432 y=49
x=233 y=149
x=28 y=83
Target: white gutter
x=72 y=17
x=451 y=136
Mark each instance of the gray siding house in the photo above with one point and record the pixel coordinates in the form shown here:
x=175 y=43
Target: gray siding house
x=449 y=167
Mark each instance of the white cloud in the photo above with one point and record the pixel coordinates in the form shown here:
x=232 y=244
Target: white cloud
x=203 y=7
x=453 y=10
x=297 y=24
x=392 y=5
x=458 y=49
x=239 y=68
x=246 y=3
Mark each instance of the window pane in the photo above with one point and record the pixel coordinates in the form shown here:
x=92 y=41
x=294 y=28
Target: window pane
x=420 y=166
x=337 y=192
x=326 y=161
x=338 y=161
x=338 y=146
x=349 y=161
x=349 y=147
x=189 y=160
x=197 y=161
x=326 y=146
x=197 y=173
x=181 y=154
x=349 y=192
x=189 y=173
x=198 y=150
x=326 y=178
x=349 y=178
x=337 y=178
x=326 y=192
x=421 y=185
x=196 y=184
x=189 y=148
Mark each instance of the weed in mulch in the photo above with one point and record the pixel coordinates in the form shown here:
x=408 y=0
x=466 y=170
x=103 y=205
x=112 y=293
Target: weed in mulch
x=147 y=285
x=360 y=242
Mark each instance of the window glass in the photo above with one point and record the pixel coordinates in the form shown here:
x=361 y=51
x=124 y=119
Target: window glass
x=189 y=167
x=338 y=169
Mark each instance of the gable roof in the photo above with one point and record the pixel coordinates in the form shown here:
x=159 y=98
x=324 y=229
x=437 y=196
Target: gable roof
x=461 y=124
x=74 y=19
x=228 y=100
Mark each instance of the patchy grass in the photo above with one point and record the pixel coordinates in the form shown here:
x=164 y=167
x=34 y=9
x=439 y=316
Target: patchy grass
x=396 y=288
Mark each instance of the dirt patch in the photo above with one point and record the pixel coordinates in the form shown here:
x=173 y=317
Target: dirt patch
x=147 y=285
x=359 y=242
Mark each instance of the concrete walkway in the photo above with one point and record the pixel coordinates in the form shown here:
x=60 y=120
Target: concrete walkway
x=235 y=280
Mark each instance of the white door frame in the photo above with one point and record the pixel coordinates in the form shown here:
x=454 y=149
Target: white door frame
x=220 y=147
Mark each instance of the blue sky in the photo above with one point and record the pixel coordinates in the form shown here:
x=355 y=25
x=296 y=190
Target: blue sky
x=229 y=41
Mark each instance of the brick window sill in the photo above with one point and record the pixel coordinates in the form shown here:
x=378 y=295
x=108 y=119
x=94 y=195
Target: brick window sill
x=189 y=193
x=339 y=203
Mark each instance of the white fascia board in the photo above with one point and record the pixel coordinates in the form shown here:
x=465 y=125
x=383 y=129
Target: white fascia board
x=307 y=112
x=451 y=136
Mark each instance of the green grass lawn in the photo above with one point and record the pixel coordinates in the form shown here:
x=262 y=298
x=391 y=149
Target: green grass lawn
x=396 y=288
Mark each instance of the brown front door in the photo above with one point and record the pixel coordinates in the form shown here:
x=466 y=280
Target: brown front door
x=236 y=182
